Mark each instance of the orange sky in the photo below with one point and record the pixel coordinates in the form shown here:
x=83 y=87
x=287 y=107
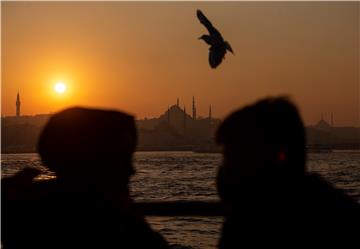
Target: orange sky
x=141 y=56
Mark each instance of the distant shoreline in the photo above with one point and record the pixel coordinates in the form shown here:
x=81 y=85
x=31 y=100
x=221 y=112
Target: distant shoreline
x=140 y=150
x=355 y=150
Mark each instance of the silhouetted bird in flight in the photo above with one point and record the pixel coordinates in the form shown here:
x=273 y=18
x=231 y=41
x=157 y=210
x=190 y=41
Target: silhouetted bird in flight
x=218 y=45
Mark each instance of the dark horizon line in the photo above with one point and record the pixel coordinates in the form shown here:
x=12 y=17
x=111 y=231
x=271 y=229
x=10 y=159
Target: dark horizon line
x=51 y=113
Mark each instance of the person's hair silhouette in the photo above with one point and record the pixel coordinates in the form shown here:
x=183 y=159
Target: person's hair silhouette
x=91 y=145
x=88 y=205
x=263 y=183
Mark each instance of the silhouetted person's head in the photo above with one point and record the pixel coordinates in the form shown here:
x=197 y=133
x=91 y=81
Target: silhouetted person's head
x=263 y=139
x=80 y=143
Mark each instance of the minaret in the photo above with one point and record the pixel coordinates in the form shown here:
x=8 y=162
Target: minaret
x=18 y=103
x=184 y=118
x=193 y=109
x=168 y=115
x=177 y=102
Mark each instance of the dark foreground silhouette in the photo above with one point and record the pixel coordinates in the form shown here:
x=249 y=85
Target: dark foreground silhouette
x=269 y=199
x=88 y=204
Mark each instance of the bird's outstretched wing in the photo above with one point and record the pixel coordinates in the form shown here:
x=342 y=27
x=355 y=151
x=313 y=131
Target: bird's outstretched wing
x=216 y=55
x=203 y=20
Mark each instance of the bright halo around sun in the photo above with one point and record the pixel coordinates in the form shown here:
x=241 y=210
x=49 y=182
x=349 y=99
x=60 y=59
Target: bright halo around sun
x=60 y=87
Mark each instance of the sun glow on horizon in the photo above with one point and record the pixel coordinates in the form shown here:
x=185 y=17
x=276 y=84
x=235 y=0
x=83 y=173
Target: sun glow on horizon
x=60 y=87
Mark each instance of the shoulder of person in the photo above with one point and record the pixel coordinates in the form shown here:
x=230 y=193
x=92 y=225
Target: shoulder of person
x=327 y=194
x=19 y=186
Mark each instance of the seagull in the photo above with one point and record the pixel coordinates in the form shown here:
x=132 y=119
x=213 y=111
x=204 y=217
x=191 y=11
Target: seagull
x=218 y=45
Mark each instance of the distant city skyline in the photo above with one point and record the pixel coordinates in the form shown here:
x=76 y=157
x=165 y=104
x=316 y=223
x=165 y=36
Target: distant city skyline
x=141 y=56
x=328 y=118
x=193 y=114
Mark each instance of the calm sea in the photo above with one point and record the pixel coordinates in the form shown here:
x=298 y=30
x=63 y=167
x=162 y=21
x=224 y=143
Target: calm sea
x=191 y=176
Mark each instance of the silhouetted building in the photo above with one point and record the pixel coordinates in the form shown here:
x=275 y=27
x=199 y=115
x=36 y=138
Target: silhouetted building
x=18 y=104
x=184 y=119
x=193 y=109
x=181 y=129
x=20 y=133
x=168 y=115
x=323 y=124
x=210 y=112
x=326 y=134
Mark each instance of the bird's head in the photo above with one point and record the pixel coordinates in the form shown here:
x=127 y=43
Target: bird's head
x=206 y=38
x=202 y=37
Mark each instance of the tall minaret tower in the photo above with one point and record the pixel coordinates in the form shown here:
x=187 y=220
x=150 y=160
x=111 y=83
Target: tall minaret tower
x=193 y=109
x=168 y=115
x=18 y=104
x=184 y=118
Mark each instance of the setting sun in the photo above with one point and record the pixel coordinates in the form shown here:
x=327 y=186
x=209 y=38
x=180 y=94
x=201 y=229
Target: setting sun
x=60 y=87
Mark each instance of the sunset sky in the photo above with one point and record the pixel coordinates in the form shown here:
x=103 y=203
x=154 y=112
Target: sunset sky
x=140 y=56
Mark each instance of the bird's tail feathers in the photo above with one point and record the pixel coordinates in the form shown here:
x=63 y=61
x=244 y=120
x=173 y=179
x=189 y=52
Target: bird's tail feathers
x=228 y=47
